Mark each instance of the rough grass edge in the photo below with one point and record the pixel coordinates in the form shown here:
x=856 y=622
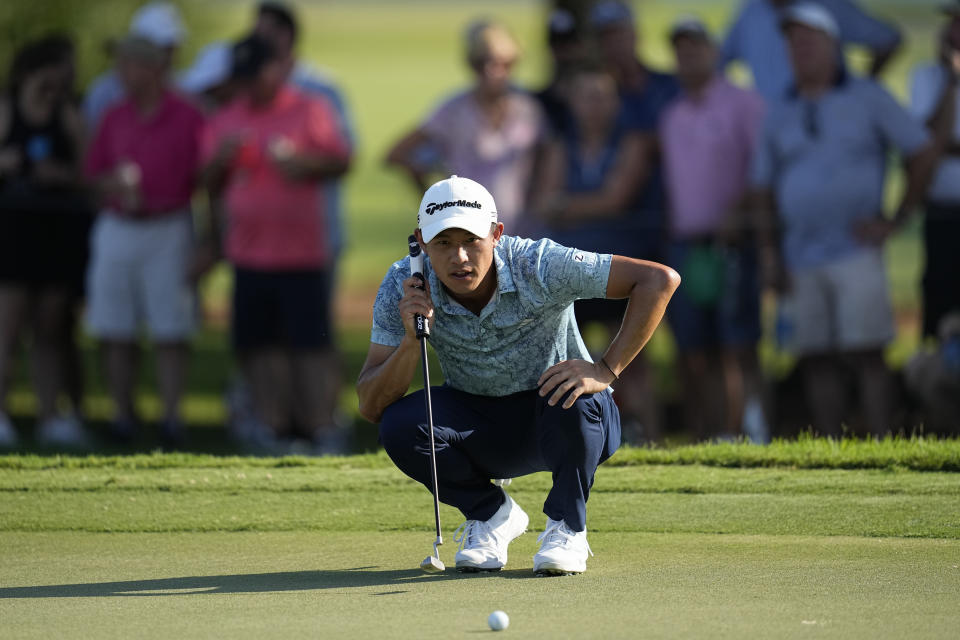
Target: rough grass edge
x=915 y=453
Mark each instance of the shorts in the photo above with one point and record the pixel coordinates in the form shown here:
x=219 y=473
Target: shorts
x=941 y=277
x=138 y=275
x=288 y=309
x=841 y=306
x=732 y=319
x=46 y=248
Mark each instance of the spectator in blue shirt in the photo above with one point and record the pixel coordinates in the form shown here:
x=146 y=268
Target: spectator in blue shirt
x=522 y=394
x=821 y=165
x=644 y=95
x=756 y=39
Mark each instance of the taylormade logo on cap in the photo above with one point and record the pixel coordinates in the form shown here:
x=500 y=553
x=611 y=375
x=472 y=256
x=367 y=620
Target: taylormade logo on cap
x=457 y=203
x=440 y=206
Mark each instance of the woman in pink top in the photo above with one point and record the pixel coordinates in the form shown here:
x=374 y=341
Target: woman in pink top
x=490 y=133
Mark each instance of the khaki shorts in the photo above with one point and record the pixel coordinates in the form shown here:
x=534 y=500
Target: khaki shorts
x=138 y=276
x=840 y=306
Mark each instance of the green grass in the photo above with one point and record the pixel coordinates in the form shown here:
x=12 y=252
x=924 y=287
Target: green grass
x=201 y=546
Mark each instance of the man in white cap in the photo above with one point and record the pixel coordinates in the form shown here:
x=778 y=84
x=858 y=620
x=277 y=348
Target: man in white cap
x=821 y=167
x=157 y=22
x=521 y=393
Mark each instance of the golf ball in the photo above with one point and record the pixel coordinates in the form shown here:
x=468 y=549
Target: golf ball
x=498 y=621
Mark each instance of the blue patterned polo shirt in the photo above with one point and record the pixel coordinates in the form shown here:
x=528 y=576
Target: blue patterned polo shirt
x=527 y=326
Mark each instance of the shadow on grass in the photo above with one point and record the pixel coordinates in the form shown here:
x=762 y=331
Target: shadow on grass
x=357 y=577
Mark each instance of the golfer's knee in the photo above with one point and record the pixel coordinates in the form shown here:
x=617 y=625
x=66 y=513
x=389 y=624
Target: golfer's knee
x=396 y=430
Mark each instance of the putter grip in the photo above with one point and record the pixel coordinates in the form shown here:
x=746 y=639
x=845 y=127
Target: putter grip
x=416 y=270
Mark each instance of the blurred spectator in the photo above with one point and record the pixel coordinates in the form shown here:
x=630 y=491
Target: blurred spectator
x=822 y=157
x=567 y=48
x=43 y=223
x=708 y=135
x=157 y=22
x=933 y=94
x=490 y=133
x=268 y=153
x=144 y=160
x=756 y=39
x=277 y=24
x=585 y=195
x=933 y=378
x=644 y=93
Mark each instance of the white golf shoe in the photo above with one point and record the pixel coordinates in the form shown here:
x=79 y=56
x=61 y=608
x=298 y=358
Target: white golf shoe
x=562 y=550
x=483 y=543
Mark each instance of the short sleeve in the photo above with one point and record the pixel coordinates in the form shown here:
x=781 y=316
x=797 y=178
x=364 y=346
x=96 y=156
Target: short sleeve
x=387 y=325
x=343 y=114
x=572 y=274
x=438 y=124
x=897 y=126
x=764 y=157
x=752 y=112
x=325 y=133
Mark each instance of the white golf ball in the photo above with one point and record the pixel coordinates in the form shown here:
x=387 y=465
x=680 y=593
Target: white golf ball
x=498 y=621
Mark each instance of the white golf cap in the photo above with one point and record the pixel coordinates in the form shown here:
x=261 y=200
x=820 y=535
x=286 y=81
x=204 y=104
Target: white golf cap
x=160 y=23
x=211 y=68
x=456 y=203
x=810 y=14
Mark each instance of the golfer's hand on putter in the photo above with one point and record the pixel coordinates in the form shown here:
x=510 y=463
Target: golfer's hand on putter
x=416 y=299
x=579 y=377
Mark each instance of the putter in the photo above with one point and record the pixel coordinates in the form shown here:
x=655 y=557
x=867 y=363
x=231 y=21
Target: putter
x=432 y=563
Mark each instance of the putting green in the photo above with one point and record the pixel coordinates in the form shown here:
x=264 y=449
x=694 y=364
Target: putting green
x=322 y=584
x=194 y=546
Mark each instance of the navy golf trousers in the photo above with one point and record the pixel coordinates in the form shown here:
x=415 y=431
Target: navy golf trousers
x=483 y=437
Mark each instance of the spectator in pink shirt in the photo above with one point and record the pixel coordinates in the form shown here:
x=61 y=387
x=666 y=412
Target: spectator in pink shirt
x=144 y=160
x=267 y=154
x=491 y=133
x=707 y=136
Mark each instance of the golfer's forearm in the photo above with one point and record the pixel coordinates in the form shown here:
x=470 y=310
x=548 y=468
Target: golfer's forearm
x=380 y=386
x=645 y=308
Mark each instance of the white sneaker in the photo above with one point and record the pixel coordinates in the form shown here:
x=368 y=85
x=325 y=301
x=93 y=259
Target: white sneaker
x=562 y=550
x=483 y=543
x=8 y=435
x=62 y=431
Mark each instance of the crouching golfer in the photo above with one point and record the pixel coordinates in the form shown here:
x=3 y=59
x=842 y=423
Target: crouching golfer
x=521 y=394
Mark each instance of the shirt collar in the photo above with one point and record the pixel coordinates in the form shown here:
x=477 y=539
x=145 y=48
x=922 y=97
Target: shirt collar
x=166 y=99
x=841 y=80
